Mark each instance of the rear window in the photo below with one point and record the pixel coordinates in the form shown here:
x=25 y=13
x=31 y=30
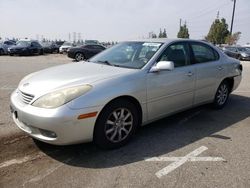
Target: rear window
x=204 y=53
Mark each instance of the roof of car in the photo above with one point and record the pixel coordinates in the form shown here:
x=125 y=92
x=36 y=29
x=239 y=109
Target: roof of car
x=164 y=40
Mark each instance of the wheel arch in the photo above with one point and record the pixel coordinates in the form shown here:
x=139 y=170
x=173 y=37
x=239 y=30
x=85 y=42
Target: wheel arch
x=80 y=53
x=230 y=81
x=130 y=99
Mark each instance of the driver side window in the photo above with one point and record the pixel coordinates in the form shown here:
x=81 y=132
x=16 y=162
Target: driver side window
x=178 y=53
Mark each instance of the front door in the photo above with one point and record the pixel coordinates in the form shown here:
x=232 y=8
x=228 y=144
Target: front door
x=171 y=91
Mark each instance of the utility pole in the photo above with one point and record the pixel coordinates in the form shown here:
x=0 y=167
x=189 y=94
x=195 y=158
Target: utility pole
x=180 y=23
x=232 y=22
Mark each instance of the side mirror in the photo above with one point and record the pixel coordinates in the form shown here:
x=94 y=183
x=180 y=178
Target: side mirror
x=163 y=65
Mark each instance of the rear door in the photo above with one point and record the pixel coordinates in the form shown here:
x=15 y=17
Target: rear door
x=209 y=71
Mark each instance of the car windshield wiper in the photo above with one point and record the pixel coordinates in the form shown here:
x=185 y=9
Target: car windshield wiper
x=108 y=63
x=105 y=62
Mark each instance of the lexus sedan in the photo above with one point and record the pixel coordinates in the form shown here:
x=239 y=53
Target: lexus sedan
x=128 y=85
x=85 y=52
x=26 y=47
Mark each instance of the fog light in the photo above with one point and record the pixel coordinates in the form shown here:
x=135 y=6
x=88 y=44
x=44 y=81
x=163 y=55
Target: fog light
x=48 y=133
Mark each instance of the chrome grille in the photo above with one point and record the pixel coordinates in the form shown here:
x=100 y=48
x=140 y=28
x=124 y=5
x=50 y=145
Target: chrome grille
x=26 y=98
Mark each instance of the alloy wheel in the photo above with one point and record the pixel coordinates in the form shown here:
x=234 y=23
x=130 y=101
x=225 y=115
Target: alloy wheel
x=118 y=125
x=79 y=57
x=222 y=94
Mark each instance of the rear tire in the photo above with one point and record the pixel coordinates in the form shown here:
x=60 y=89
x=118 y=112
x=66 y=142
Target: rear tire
x=116 y=124
x=221 y=96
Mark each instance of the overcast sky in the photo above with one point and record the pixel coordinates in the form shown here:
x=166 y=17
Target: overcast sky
x=117 y=19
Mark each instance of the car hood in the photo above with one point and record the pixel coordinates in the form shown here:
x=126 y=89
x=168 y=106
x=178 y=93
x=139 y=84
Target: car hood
x=69 y=75
x=247 y=53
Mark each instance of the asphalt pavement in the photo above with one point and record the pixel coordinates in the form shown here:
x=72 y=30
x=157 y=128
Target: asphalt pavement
x=200 y=147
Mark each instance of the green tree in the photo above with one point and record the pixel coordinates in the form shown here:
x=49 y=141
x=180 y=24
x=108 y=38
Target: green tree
x=218 y=32
x=183 y=32
x=160 y=34
x=164 y=33
x=154 y=35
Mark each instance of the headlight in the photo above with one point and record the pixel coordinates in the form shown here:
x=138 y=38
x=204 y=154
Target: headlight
x=60 y=97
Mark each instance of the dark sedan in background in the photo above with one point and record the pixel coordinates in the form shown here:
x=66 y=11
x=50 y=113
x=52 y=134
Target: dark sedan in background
x=85 y=52
x=26 y=47
x=237 y=52
x=50 y=47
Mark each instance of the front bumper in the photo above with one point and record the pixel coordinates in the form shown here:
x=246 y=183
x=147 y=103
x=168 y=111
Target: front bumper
x=63 y=50
x=71 y=54
x=237 y=80
x=58 y=126
x=245 y=58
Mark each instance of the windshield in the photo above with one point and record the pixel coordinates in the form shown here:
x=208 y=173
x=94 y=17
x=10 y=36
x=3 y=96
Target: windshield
x=242 y=49
x=128 y=54
x=23 y=43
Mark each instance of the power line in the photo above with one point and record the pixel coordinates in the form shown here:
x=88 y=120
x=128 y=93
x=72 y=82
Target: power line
x=207 y=11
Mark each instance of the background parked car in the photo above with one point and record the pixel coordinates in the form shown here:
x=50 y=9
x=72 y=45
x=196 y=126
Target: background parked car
x=237 y=52
x=50 y=47
x=65 y=46
x=59 y=43
x=85 y=52
x=26 y=47
x=91 y=42
x=244 y=53
x=231 y=51
x=5 y=45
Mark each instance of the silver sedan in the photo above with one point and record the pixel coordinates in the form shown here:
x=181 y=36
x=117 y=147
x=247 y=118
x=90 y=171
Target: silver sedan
x=131 y=84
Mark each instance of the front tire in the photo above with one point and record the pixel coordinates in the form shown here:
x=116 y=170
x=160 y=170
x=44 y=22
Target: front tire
x=1 y=52
x=41 y=52
x=221 y=96
x=116 y=124
x=79 y=56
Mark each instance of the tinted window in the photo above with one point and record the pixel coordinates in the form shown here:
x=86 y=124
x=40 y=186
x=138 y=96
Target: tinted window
x=89 y=46
x=204 y=53
x=178 y=53
x=8 y=43
x=36 y=44
x=231 y=49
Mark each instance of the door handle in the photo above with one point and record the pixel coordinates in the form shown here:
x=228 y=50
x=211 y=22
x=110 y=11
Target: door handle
x=190 y=74
x=220 y=68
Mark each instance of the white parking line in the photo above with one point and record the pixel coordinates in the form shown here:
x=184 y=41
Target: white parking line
x=20 y=160
x=178 y=161
x=47 y=172
x=7 y=88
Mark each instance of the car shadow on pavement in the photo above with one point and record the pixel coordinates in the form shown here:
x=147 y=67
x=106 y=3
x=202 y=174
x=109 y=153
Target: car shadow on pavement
x=158 y=138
